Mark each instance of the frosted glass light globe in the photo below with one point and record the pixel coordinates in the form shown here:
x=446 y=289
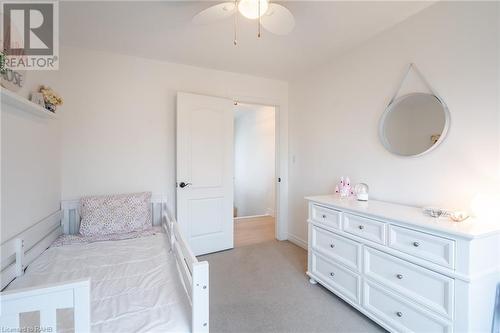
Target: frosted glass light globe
x=250 y=8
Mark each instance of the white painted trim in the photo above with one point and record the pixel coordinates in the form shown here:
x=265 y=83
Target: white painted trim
x=270 y=211
x=281 y=164
x=239 y=218
x=281 y=160
x=297 y=241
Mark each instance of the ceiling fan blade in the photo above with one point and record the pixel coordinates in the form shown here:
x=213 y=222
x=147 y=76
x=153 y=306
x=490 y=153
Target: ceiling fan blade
x=278 y=20
x=214 y=13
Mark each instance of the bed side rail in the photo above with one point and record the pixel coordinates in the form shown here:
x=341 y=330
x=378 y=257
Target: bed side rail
x=18 y=252
x=194 y=274
x=46 y=300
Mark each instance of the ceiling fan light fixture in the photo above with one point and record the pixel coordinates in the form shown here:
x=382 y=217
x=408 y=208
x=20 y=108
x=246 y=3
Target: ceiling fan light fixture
x=250 y=8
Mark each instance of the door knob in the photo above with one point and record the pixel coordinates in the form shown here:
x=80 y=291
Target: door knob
x=183 y=184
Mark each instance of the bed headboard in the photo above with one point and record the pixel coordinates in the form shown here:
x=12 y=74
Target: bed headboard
x=71 y=213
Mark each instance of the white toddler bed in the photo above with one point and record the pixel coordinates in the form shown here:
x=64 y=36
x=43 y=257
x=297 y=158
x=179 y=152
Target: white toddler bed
x=136 y=284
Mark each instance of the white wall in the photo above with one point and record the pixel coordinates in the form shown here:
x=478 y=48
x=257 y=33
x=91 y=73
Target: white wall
x=30 y=168
x=118 y=118
x=254 y=160
x=335 y=112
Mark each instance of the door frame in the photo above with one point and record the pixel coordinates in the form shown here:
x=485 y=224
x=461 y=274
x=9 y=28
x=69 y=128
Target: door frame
x=277 y=163
x=281 y=155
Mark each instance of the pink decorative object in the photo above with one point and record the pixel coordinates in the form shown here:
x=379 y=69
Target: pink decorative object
x=344 y=187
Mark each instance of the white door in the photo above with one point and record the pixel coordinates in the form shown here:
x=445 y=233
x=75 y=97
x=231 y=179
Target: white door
x=205 y=171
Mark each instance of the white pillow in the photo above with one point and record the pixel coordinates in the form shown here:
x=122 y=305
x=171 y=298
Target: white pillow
x=115 y=214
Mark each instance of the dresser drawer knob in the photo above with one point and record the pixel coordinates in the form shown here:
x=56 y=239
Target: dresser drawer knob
x=361 y=227
x=399 y=314
x=332 y=245
x=323 y=216
x=416 y=244
x=332 y=274
x=399 y=276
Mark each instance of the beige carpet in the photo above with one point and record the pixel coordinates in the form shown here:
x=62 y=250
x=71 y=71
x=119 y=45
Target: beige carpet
x=263 y=288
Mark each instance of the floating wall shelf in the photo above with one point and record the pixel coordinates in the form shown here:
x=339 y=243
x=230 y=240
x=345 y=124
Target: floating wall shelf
x=10 y=98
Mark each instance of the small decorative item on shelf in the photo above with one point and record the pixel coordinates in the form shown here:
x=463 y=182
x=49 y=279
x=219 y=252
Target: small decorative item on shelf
x=435 y=212
x=455 y=216
x=37 y=98
x=9 y=78
x=344 y=187
x=51 y=98
x=459 y=216
x=361 y=191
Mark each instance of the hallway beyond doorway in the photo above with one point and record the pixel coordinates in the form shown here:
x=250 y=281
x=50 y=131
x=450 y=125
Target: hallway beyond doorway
x=253 y=230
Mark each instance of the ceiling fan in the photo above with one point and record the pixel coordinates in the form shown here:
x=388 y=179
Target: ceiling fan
x=274 y=17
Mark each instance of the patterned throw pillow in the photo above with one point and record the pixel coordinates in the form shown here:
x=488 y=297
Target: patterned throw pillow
x=115 y=214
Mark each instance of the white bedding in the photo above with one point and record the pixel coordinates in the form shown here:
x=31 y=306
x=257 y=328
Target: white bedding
x=135 y=285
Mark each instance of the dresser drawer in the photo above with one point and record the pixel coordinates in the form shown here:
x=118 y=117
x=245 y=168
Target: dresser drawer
x=339 y=248
x=398 y=313
x=341 y=279
x=365 y=228
x=436 y=249
x=428 y=288
x=326 y=216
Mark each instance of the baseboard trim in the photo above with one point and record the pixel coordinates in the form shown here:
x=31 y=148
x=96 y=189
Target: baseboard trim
x=297 y=241
x=249 y=217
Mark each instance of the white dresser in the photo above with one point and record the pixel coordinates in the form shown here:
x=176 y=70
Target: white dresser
x=404 y=270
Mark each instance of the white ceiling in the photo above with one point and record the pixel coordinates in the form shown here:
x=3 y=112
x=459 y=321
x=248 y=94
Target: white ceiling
x=163 y=30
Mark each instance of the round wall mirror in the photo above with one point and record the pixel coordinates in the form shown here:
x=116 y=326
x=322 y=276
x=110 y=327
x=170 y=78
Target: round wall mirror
x=414 y=124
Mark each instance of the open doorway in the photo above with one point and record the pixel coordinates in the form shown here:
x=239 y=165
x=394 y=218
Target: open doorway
x=254 y=174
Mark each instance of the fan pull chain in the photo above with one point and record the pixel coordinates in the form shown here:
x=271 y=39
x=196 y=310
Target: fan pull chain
x=258 y=34
x=235 y=40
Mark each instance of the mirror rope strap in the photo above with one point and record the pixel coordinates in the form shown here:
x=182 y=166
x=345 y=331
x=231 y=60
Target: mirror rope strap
x=420 y=75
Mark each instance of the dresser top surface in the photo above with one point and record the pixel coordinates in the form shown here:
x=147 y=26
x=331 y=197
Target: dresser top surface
x=470 y=228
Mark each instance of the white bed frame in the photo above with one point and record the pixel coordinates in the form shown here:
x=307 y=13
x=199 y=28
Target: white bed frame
x=20 y=251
